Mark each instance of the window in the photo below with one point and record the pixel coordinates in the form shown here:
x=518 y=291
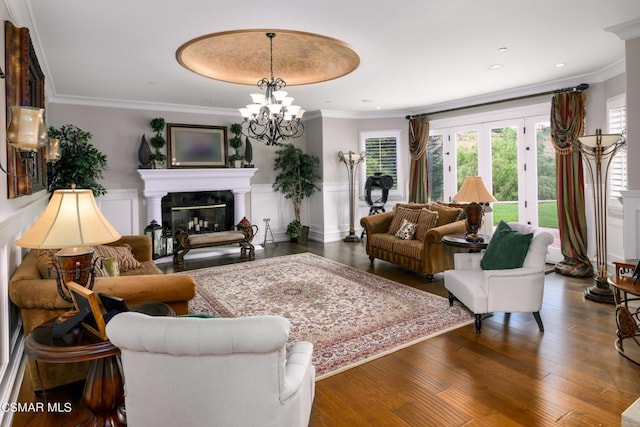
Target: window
x=382 y=154
x=617 y=123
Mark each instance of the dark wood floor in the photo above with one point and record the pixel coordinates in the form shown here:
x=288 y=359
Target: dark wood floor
x=511 y=374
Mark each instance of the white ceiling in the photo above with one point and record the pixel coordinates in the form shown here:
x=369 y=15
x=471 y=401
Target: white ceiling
x=416 y=55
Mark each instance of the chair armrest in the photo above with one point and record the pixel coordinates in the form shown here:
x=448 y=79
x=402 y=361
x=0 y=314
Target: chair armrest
x=298 y=361
x=467 y=261
x=514 y=290
x=436 y=234
x=378 y=223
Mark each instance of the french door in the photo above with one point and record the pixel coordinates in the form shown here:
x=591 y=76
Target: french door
x=515 y=159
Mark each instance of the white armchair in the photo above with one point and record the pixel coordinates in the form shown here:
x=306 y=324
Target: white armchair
x=217 y=372
x=510 y=291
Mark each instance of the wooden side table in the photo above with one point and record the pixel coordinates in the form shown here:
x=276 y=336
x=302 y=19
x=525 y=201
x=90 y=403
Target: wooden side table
x=104 y=391
x=458 y=241
x=627 y=318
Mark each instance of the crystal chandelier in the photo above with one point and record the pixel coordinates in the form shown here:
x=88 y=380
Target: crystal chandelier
x=272 y=118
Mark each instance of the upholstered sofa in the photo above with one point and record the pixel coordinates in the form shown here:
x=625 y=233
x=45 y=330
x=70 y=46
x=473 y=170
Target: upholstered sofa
x=38 y=299
x=424 y=251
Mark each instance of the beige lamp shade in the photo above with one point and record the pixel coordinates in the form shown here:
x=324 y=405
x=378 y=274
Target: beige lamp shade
x=72 y=218
x=602 y=140
x=474 y=190
x=27 y=130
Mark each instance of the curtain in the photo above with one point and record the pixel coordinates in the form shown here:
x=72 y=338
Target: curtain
x=418 y=176
x=567 y=124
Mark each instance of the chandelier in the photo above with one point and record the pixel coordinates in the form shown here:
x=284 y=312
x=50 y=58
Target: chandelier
x=272 y=118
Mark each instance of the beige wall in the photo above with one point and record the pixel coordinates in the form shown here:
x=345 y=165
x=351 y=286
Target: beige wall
x=117 y=133
x=632 y=51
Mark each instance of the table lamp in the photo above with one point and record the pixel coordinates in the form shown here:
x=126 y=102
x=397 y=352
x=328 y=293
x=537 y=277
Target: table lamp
x=474 y=191
x=71 y=222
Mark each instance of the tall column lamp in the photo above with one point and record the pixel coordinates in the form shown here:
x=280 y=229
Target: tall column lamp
x=599 y=150
x=351 y=161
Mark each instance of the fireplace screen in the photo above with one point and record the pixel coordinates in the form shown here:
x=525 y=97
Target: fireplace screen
x=198 y=212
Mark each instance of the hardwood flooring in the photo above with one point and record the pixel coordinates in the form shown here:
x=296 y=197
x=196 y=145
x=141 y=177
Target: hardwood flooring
x=509 y=375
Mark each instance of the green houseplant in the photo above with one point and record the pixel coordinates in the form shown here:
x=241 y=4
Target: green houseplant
x=80 y=162
x=296 y=172
x=236 y=143
x=157 y=141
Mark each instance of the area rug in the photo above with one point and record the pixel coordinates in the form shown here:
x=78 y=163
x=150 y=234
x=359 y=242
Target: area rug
x=349 y=315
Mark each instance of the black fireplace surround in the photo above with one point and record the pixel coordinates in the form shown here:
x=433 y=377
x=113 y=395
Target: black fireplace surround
x=198 y=211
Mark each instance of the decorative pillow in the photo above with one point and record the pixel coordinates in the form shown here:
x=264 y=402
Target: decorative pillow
x=406 y=230
x=426 y=221
x=399 y=214
x=122 y=254
x=110 y=266
x=455 y=205
x=45 y=259
x=507 y=249
x=446 y=214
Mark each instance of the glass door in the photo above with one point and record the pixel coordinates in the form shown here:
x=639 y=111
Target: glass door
x=506 y=180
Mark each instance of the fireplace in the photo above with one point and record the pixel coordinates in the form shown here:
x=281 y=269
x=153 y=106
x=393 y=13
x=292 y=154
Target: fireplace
x=198 y=211
x=159 y=183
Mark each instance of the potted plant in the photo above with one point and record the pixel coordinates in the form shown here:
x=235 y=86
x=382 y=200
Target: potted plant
x=157 y=141
x=236 y=143
x=296 y=172
x=80 y=162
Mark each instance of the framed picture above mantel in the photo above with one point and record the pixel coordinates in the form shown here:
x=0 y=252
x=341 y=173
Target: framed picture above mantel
x=196 y=146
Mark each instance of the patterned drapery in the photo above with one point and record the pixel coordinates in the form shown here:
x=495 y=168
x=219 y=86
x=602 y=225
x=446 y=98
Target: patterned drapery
x=567 y=124
x=418 y=176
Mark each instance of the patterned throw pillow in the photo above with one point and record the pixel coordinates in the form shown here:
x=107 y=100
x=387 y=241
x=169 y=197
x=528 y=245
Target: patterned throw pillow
x=427 y=220
x=446 y=214
x=406 y=230
x=399 y=214
x=122 y=254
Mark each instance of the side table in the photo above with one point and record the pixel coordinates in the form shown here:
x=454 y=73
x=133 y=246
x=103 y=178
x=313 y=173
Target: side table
x=627 y=318
x=104 y=391
x=459 y=241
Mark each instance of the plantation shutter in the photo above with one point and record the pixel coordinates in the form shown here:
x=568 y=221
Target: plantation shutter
x=381 y=156
x=617 y=117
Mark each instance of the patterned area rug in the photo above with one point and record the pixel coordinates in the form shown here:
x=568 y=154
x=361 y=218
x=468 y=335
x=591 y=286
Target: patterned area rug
x=349 y=315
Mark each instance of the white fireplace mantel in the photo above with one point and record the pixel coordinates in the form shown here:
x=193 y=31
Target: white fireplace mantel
x=160 y=182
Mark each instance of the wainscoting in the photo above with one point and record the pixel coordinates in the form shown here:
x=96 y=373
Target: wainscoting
x=11 y=338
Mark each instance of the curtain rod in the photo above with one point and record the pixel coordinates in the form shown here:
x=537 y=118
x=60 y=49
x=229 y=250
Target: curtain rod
x=581 y=87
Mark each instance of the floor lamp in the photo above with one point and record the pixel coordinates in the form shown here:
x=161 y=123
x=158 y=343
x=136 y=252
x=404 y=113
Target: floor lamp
x=599 y=150
x=351 y=160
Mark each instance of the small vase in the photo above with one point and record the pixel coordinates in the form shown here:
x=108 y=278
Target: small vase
x=237 y=163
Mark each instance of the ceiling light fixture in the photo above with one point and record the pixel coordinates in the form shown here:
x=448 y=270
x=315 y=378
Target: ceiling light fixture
x=272 y=118
x=495 y=66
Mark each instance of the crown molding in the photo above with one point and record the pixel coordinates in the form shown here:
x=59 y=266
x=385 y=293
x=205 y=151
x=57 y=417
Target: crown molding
x=627 y=30
x=137 y=105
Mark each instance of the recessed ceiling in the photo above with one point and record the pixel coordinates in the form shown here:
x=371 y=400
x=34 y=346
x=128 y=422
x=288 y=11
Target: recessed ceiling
x=415 y=56
x=243 y=56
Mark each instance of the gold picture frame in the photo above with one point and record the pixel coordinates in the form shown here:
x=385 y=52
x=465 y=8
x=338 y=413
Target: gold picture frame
x=196 y=146
x=85 y=298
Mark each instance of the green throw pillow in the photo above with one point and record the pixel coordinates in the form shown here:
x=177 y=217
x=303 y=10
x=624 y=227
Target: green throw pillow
x=507 y=249
x=200 y=315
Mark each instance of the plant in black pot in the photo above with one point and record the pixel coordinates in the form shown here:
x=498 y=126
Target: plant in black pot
x=80 y=162
x=157 y=141
x=296 y=172
x=236 y=143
